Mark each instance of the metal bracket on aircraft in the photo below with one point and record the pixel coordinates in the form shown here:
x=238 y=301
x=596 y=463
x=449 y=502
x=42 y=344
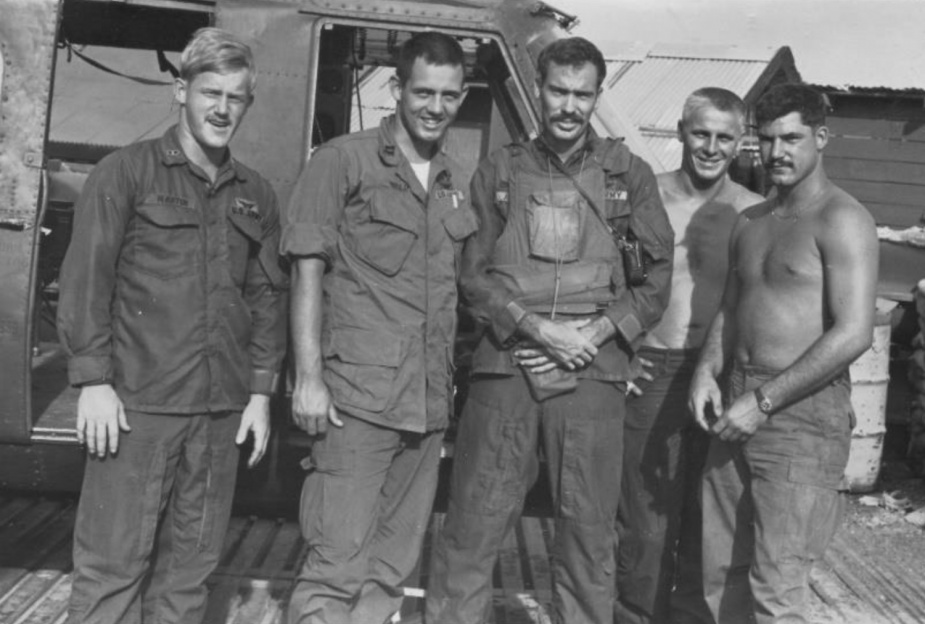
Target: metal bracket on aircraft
x=34 y=159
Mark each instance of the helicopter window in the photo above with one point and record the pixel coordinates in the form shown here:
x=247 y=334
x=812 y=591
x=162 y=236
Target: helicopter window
x=353 y=94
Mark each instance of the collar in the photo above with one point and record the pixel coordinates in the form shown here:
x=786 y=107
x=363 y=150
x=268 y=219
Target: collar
x=172 y=154
x=611 y=155
x=587 y=148
x=389 y=152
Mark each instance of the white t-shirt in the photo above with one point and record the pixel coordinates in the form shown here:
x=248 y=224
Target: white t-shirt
x=422 y=171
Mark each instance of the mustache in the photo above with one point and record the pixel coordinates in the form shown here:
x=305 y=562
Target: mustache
x=568 y=117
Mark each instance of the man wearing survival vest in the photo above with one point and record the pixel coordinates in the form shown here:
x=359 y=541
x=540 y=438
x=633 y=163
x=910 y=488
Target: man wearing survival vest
x=571 y=263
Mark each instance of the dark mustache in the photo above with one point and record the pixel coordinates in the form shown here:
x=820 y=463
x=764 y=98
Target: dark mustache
x=568 y=117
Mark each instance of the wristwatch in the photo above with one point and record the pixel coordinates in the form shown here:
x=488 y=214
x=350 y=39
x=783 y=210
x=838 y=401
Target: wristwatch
x=764 y=403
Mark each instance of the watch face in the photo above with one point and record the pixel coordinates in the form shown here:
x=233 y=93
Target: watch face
x=764 y=403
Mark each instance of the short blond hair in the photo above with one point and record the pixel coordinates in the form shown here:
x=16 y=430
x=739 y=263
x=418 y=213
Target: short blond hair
x=216 y=50
x=715 y=97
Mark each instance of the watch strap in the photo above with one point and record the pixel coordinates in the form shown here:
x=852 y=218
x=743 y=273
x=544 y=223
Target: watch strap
x=764 y=403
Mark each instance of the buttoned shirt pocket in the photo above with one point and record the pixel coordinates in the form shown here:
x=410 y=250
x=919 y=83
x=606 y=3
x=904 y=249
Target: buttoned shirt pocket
x=243 y=244
x=166 y=241
x=460 y=223
x=361 y=365
x=386 y=239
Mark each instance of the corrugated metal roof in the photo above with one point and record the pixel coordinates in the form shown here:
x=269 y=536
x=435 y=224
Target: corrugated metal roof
x=666 y=147
x=652 y=92
x=848 y=89
x=651 y=84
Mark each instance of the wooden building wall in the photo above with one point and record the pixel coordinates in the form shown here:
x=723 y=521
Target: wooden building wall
x=877 y=153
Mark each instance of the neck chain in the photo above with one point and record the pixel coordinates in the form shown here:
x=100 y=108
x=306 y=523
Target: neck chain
x=785 y=217
x=802 y=207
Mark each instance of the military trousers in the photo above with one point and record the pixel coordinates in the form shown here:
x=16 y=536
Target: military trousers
x=366 y=503
x=496 y=462
x=658 y=522
x=772 y=504
x=151 y=521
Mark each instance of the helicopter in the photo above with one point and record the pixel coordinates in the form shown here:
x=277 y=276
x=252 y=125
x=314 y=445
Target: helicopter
x=81 y=78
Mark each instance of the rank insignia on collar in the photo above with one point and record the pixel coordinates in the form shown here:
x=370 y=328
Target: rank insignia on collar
x=615 y=194
x=173 y=153
x=245 y=207
x=501 y=197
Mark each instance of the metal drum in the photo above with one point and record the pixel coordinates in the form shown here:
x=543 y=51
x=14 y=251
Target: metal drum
x=870 y=376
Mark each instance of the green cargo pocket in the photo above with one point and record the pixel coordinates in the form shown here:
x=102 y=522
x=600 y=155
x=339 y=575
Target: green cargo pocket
x=814 y=472
x=360 y=367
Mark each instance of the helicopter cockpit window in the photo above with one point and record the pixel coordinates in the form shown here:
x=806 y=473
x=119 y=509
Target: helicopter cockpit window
x=353 y=94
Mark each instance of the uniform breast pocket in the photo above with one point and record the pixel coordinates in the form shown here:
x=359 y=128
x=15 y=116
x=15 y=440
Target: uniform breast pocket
x=165 y=241
x=460 y=224
x=386 y=238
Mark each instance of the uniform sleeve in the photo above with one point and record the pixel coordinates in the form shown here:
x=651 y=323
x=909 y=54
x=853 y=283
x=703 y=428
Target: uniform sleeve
x=266 y=293
x=641 y=307
x=316 y=206
x=88 y=273
x=488 y=298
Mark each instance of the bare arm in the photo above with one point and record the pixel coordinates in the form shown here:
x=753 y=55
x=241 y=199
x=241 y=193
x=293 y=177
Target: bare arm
x=717 y=347
x=309 y=239
x=312 y=405
x=849 y=255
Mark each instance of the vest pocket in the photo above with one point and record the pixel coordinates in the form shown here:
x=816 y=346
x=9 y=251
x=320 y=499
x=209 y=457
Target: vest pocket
x=554 y=225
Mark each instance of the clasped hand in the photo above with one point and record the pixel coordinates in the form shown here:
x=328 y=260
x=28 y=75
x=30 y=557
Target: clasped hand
x=558 y=343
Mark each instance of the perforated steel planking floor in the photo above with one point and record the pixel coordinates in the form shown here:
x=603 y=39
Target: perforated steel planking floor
x=262 y=555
